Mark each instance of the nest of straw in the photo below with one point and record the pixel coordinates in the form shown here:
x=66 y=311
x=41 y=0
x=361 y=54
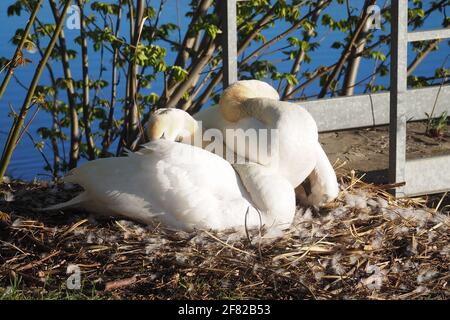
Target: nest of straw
x=365 y=245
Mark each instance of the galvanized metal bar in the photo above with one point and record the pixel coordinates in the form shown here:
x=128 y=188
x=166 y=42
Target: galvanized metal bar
x=229 y=44
x=427 y=175
x=428 y=35
x=398 y=90
x=369 y=110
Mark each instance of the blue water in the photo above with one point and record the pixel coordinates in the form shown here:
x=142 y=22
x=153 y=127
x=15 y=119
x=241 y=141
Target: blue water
x=27 y=162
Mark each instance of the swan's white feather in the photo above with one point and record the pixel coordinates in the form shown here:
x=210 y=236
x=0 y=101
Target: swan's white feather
x=183 y=186
x=269 y=191
x=324 y=185
x=299 y=154
x=295 y=155
x=186 y=187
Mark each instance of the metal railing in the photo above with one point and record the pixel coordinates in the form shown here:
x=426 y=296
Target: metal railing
x=421 y=176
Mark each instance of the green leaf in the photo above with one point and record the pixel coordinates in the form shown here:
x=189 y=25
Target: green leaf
x=179 y=73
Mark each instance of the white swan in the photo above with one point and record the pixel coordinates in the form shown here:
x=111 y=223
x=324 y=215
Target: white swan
x=182 y=186
x=253 y=104
x=298 y=136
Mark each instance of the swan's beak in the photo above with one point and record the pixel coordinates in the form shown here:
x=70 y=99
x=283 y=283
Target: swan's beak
x=165 y=137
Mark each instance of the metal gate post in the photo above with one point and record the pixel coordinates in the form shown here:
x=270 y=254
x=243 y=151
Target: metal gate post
x=229 y=42
x=397 y=124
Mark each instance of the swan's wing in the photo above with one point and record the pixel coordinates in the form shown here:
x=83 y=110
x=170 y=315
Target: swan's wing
x=270 y=192
x=296 y=133
x=182 y=185
x=78 y=201
x=196 y=185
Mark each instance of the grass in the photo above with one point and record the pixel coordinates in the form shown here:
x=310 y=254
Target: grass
x=17 y=290
x=365 y=245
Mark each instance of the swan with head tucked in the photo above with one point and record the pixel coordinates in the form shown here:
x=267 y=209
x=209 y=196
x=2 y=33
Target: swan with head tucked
x=181 y=185
x=253 y=104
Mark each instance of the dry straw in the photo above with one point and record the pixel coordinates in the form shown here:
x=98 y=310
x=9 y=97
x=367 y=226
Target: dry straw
x=365 y=245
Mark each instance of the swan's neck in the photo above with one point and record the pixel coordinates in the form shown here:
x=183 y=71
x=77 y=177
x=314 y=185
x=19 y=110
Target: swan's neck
x=212 y=118
x=266 y=110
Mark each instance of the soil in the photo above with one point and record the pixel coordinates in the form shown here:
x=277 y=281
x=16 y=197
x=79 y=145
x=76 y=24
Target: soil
x=367 y=150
